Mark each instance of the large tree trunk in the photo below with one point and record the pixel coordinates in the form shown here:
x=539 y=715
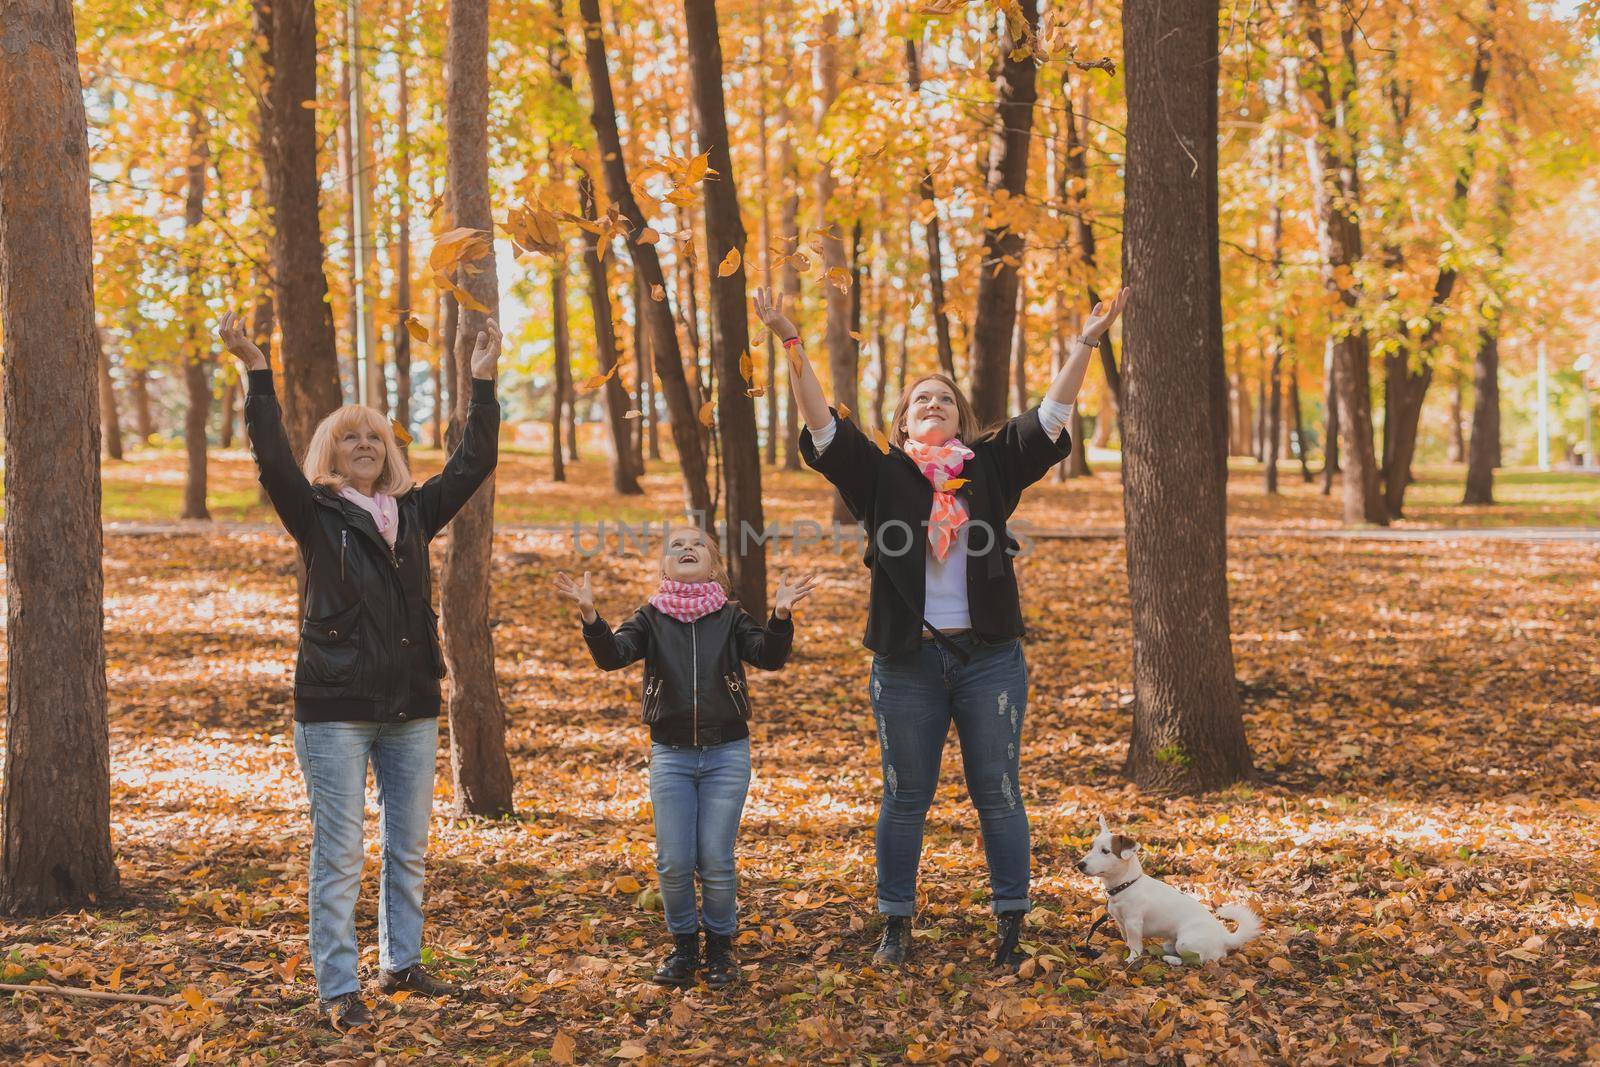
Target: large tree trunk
x=197 y=352
x=478 y=763
x=403 y=310
x=55 y=803
x=287 y=30
x=1409 y=369
x=1335 y=183
x=623 y=479
x=930 y=232
x=647 y=265
x=746 y=557
x=1002 y=243
x=1188 y=733
x=110 y=421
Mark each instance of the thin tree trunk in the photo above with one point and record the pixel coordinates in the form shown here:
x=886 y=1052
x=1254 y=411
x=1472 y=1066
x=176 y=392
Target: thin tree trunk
x=143 y=419
x=663 y=336
x=623 y=480
x=478 y=763
x=1019 y=350
x=1002 y=244
x=746 y=556
x=1074 y=190
x=765 y=237
x=403 y=311
x=308 y=353
x=1299 y=424
x=790 y=275
x=1330 y=443
x=197 y=352
x=1258 y=445
x=1078 y=459
x=230 y=407
x=647 y=391
x=930 y=230
x=880 y=331
x=1274 y=378
x=843 y=367
x=110 y=421
x=561 y=379
x=1455 y=444
x=1188 y=732
x=55 y=801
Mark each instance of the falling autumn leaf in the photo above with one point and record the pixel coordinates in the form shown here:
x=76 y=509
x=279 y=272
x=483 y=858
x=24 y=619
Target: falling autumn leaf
x=882 y=442
x=633 y=413
x=598 y=380
x=416 y=329
x=844 y=411
x=757 y=391
x=658 y=293
x=839 y=278
x=952 y=484
x=729 y=264
x=746 y=368
x=402 y=436
x=705 y=413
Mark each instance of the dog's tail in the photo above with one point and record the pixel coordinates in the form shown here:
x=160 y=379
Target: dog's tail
x=1248 y=924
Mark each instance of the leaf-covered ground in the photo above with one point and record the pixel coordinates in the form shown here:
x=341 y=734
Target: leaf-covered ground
x=1423 y=839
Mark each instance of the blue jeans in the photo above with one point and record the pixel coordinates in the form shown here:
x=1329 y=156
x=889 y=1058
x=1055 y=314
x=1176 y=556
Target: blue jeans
x=915 y=695
x=698 y=796
x=334 y=757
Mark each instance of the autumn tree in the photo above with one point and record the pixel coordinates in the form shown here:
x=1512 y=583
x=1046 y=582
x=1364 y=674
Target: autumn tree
x=197 y=357
x=479 y=768
x=1188 y=732
x=55 y=826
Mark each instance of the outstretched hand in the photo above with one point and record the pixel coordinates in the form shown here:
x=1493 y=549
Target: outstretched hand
x=1104 y=314
x=578 y=592
x=486 y=351
x=791 y=593
x=231 y=332
x=771 y=314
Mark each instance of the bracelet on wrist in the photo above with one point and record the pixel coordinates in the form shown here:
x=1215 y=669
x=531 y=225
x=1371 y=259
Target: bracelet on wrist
x=1087 y=342
x=791 y=342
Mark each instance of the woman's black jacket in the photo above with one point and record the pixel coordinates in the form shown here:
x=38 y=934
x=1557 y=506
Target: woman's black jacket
x=694 y=689
x=369 y=641
x=891 y=497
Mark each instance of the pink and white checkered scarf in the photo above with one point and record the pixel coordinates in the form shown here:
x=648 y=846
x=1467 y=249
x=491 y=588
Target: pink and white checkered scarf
x=688 y=601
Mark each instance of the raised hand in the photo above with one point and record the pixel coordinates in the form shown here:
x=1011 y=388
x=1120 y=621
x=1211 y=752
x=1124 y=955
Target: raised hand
x=1103 y=315
x=231 y=332
x=771 y=314
x=791 y=593
x=578 y=592
x=486 y=351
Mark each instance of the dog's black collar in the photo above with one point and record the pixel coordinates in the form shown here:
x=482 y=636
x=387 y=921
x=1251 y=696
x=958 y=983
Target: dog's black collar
x=1125 y=885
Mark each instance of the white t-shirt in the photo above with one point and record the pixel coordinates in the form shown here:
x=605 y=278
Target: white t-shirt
x=945 y=581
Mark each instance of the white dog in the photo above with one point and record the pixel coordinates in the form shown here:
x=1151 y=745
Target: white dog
x=1146 y=907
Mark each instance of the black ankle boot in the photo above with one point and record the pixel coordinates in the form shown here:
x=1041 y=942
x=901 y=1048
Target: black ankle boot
x=1009 y=929
x=895 y=943
x=679 y=966
x=720 y=969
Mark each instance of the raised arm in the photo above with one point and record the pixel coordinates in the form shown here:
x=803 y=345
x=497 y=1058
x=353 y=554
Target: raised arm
x=280 y=475
x=1069 y=379
x=474 y=459
x=768 y=646
x=808 y=397
x=611 y=650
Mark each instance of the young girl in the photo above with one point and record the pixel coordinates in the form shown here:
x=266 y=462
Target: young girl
x=694 y=642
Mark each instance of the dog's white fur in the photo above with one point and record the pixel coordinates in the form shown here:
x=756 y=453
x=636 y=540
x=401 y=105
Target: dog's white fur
x=1151 y=909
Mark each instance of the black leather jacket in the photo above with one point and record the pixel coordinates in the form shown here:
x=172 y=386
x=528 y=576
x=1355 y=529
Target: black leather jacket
x=369 y=641
x=694 y=689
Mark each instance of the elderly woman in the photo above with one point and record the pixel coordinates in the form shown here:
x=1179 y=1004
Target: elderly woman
x=366 y=684
x=944 y=621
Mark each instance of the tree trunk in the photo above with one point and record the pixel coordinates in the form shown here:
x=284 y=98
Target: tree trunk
x=623 y=480
x=789 y=273
x=55 y=802
x=110 y=421
x=663 y=337
x=143 y=419
x=403 y=311
x=561 y=379
x=930 y=231
x=1019 y=350
x=1074 y=190
x=764 y=235
x=1258 y=445
x=1336 y=188
x=230 y=407
x=307 y=349
x=880 y=331
x=647 y=392
x=1330 y=444
x=1002 y=244
x=1274 y=379
x=1455 y=449
x=1078 y=459
x=197 y=353
x=1485 y=416
x=746 y=555
x=1188 y=733
x=1299 y=424
x=842 y=364
x=478 y=763
x=368 y=377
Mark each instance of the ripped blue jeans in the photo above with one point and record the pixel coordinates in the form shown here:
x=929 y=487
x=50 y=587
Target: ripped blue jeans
x=915 y=696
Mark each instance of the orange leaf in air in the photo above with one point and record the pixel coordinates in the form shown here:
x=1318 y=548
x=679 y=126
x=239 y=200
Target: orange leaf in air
x=730 y=263
x=952 y=484
x=416 y=329
x=658 y=293
x=882 y=442
x=705 y=413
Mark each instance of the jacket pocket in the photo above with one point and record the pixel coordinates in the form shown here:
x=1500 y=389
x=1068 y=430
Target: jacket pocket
x=736 y=691
x=652 y=698
x=330 y=649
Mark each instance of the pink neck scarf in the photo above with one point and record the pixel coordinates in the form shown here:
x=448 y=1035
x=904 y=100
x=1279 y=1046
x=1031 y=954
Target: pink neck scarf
x=381 y=506
x=688 y=601
x=941 y=464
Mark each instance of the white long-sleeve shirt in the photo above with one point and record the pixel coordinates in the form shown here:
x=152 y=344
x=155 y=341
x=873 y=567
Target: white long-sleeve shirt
x=945 y=607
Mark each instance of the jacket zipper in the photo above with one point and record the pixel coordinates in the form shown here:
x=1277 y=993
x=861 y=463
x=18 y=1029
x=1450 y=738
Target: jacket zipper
x=694 y=639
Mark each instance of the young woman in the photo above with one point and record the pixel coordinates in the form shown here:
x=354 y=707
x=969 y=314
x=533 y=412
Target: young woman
x=694 y=642
x=366 y=685
x=943 y=619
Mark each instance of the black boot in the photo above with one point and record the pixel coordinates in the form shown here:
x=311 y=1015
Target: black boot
x=679 y=966
x=895 y=943
x=720 y=969
x=1007 y=954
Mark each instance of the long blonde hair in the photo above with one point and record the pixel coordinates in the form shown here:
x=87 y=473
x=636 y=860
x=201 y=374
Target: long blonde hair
x=395 y=479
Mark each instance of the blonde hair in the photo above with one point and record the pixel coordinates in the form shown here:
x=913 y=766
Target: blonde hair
x=395 y=478
x=719 y=570
x=967 y=427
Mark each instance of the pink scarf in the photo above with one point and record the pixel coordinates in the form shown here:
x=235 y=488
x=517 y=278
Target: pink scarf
x=381 y=506
x=941 y=464
x=688 y=601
